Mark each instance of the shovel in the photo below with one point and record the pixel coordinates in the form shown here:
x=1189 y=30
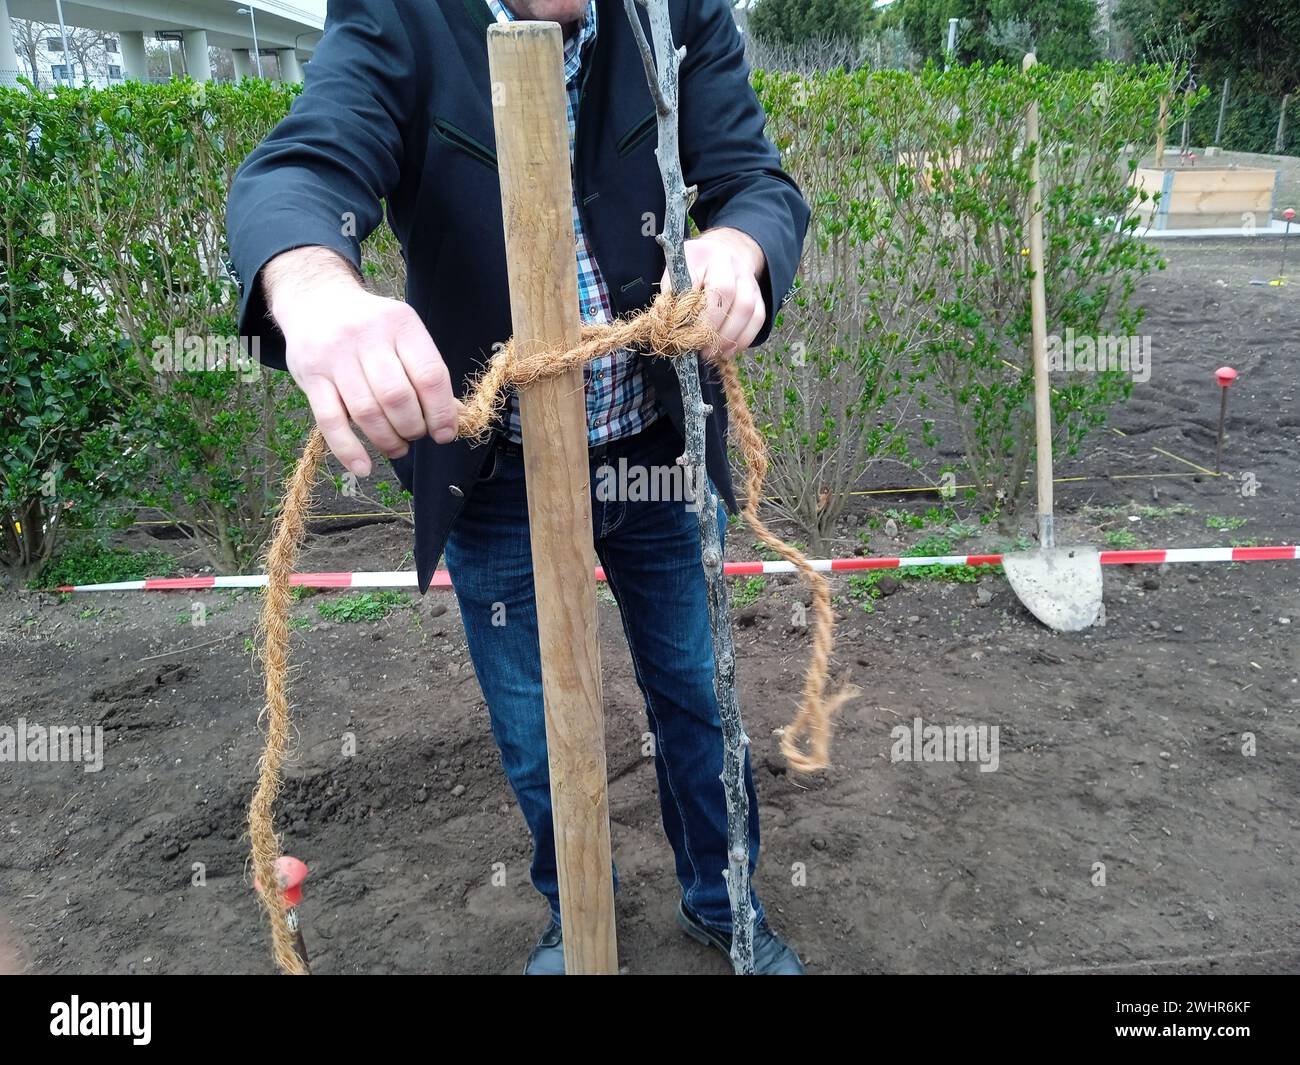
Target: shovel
x=1060 y=586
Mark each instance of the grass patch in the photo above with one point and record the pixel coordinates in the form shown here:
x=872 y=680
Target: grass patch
x=943 y=519
x=1148 y=512
x=864 y=588
x=748 y=591
x=1120 y=539
x=940 y=516
x=1222 y=524
x=363 y=606
x=905 y=519
x=1163 y=512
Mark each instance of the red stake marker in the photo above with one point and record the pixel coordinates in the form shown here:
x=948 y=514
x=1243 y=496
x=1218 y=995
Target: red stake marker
x=1225 y=375
x=290 y=872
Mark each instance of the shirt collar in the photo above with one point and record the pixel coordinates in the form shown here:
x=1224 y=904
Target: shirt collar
x=573 y=45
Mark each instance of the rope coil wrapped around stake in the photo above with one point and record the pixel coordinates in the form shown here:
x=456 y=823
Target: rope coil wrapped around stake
x=673 y=325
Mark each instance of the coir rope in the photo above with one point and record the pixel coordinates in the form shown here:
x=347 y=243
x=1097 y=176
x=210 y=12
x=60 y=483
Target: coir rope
x=673 y=325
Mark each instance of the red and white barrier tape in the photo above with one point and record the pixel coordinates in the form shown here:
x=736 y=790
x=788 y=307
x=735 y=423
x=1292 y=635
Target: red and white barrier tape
x=441 y=579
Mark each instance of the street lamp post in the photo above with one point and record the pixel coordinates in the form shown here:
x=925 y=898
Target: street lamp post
x=257 y=51
x=63 y=31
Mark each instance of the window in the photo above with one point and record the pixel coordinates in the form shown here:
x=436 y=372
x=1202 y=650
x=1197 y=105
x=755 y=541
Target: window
x=59 y=72
x=114 y=72
x=54 y=44
x=110 y=45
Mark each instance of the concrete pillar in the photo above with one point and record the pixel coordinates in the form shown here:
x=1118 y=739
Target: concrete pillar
x=243 y=63
x=290 y=68
x=9 y=69
x=196 y=55
x=135 y=61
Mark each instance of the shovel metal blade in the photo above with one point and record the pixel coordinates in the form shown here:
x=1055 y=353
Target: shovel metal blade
x=1060 y=586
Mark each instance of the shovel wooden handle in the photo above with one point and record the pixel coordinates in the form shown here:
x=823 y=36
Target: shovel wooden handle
x=1038 y=319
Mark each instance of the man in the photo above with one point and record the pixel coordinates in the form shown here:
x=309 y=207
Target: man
x=397 y=108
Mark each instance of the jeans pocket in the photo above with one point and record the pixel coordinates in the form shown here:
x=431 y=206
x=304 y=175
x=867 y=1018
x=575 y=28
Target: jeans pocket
x=501 y=469
x=490 y=467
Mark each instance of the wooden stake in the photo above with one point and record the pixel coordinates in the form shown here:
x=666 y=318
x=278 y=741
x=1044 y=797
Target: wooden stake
x=1223 y=111
x=1162 y=126
x=1038 y=323
x=526 y=62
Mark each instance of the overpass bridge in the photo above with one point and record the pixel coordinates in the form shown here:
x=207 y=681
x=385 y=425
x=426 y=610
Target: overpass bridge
x=290 y=30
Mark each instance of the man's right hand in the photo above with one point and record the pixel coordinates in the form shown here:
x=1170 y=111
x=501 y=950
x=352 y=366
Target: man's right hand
x=358 y=358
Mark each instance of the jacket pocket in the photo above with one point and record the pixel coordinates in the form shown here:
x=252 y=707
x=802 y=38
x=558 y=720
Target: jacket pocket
x=636 y=134
x=462 y=141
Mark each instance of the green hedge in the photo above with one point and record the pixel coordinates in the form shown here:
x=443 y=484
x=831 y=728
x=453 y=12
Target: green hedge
x=914 y=287
x=112 y=211
x=130 y=186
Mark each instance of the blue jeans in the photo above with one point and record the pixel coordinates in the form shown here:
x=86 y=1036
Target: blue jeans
x=651 y=554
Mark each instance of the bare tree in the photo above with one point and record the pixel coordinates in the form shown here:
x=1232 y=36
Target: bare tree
x=885 y=50
x=86 y=49
x=29 y=41
x=165 y=60
x=222 y=63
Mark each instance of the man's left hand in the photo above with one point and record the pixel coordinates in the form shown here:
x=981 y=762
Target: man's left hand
x=727 y=264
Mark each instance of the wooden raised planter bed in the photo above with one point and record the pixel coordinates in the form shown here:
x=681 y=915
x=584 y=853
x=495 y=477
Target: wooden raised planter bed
x=1203 y=197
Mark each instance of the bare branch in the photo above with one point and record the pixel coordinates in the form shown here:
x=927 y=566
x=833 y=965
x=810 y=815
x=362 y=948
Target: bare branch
x=677 y=198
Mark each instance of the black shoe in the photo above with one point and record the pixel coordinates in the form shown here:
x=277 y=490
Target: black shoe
x=547 y=958
x=772 y=956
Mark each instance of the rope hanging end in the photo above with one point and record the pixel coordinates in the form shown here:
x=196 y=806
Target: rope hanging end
x=806 y=742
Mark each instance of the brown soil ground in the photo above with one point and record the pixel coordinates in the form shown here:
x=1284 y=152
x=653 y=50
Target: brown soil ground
x=1121 y=746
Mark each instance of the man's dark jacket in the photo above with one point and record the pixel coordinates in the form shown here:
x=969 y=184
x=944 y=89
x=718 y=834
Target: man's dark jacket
x=397 y=108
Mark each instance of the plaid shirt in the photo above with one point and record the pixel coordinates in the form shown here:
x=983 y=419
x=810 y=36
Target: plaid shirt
x=620 y=398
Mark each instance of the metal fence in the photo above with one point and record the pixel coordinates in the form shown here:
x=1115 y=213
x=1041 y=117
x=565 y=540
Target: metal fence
x=13 y=79
x=1238 y=119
